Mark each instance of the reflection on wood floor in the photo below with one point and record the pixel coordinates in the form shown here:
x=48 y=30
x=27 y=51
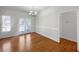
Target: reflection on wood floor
x=34 y=42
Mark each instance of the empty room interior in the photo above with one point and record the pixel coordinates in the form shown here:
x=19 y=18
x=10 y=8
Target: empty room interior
x=39 y=28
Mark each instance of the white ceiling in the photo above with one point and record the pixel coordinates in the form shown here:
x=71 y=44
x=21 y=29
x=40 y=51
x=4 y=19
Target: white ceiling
x=25 y=8
x=37 y=8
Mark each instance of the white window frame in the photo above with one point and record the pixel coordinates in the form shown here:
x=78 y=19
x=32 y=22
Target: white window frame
x=21 y=25
x=6 y=24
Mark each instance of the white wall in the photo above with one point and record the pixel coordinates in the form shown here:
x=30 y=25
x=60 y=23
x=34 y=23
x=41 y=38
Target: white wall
x=33 y=23
x=15 y=16
x=68 y=27
x=47 y=23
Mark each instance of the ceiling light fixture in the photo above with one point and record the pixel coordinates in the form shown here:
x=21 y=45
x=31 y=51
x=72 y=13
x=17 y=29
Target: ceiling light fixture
x=32 y=12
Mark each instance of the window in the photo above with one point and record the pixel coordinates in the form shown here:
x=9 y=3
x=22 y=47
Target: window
x=22 y=25
x=6 y=23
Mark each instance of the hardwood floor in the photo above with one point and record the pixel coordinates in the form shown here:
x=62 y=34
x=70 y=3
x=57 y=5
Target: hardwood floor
x=68 y=45
x=41 y=43
x=34 y=42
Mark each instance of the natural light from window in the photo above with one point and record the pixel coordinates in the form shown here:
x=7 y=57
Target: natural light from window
x=22 y=25
x=6 y=23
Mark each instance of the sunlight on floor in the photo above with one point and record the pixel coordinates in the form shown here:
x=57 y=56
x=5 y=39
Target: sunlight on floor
x=7 y=47
x=28 y=42
x=25 y=42
x=21 y=43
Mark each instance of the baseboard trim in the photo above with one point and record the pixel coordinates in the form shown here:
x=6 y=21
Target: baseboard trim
x=14 y=36
x=67 y=39
x=46 y=37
